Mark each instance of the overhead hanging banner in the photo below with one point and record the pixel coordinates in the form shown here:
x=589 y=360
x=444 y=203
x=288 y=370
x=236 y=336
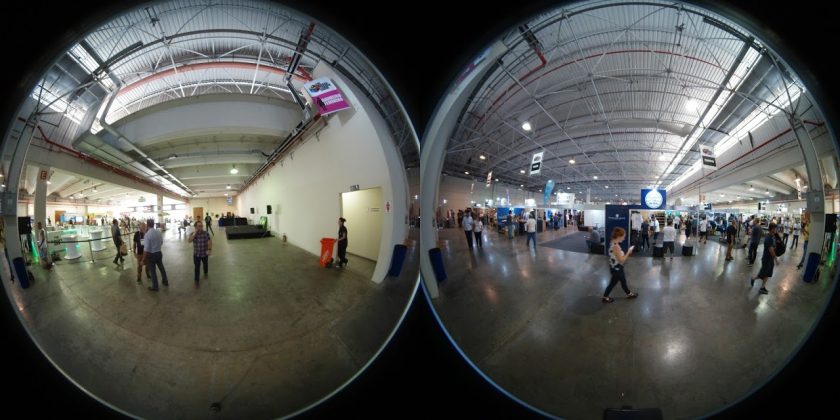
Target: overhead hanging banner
x=708 y=156
x=536 y=163
x=326 y=96
x=489 y=178
x=549 y=188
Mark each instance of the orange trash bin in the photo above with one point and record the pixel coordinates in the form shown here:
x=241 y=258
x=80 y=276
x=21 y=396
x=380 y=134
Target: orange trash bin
x=327 y=245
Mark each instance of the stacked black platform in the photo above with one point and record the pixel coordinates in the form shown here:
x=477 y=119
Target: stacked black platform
x=246 y=232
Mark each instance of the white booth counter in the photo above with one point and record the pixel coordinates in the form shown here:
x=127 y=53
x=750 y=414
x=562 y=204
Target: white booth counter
x=96 y=242
x=72 y=248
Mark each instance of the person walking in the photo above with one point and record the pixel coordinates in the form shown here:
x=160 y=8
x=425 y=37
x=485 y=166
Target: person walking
x=510 y=226
x=786 y=229
x=645 y=235
x=768 y=259
x=806 y=230
x=478 y=227
x=341 y=242
x=531 y=230
x=795 y=228
x=467 y=224
x=731 y=232
x=755 y=238
x=669 y=236
x=203 y=246
x=704 y=224
x=116 y=235
x=138 y=251
x=42 y=246
x=617 y=259
x=152 y=255
x=208 y=220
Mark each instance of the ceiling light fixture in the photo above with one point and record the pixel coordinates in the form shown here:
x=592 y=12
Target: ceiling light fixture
x=595 y=177
x=691 y=105
x=233 y=170
x=49 y=183
x=466 y=172
x=521 y=185
x=228 y=186
x=572 y=161
x=521 y=171
x=482 y=157
x=526 y=126
x=751 y=188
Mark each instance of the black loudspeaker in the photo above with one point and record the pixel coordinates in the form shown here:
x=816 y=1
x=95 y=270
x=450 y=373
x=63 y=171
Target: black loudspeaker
x=252 y=210
x=830 y=223
x=268 y=209
x=24 y=225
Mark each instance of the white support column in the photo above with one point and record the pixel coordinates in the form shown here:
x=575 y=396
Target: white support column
x=160 y=209
x=41 y=195
x=434 y=151
x=815 y=195
x=588 y=196
x=17 y=150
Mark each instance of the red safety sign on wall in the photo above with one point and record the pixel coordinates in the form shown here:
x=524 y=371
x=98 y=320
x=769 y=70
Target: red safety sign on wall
x=43 y=175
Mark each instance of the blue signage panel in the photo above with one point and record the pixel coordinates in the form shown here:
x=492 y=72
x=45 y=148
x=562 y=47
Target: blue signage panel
x=653 y=199
x=615 y=216
x=549 y=188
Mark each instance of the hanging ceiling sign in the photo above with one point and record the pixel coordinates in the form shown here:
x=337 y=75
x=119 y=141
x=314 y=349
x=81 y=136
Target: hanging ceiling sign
x=326 y=96
x=489 y=178
x=536 y=163
x=708 y=156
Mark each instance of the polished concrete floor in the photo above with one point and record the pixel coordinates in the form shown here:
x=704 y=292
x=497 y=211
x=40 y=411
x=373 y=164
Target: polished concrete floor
x=696 y=339
x=268 y=333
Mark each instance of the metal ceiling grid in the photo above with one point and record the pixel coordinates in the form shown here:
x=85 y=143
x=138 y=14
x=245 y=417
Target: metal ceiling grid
x=610 y=67
x=228 y=47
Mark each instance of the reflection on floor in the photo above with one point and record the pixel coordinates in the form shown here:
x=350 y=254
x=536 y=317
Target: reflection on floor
x=269 y=332
x=696 y=339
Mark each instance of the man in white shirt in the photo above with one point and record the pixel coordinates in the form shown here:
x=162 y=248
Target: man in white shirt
x=796 y=228
x=467 y=223
x=478 y=226
x=531 y=230
x=703 y=225
x=669 y=235
x=636 y=227
x=152 y=242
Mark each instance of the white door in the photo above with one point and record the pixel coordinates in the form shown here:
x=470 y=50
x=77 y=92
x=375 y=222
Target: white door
x=363 y=210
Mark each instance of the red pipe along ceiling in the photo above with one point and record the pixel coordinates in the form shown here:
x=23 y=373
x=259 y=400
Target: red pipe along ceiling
x=202 y=66
x=101 y=164
x=539 y=54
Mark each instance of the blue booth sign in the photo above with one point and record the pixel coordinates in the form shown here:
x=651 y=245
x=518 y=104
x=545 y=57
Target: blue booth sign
x=653 y=199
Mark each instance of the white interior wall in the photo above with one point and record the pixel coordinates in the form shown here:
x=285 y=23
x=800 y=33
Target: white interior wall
x=305 y=189
x=456 y=191
x=217 y=205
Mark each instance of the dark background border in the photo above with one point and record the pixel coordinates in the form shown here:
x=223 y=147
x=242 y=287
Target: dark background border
x=419 y=47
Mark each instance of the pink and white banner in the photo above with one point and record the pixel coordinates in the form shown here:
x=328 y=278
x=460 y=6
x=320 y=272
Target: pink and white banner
x=326 y=96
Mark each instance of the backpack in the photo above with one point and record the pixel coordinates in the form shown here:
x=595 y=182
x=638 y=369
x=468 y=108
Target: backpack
x=780 y=246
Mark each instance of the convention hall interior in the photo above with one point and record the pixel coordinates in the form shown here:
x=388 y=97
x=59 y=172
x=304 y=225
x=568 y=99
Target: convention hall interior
x=263 y=125
x=685 y=128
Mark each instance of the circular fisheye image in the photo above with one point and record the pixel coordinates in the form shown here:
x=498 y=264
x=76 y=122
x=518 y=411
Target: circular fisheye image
x=629 y=205
x=208 y=209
